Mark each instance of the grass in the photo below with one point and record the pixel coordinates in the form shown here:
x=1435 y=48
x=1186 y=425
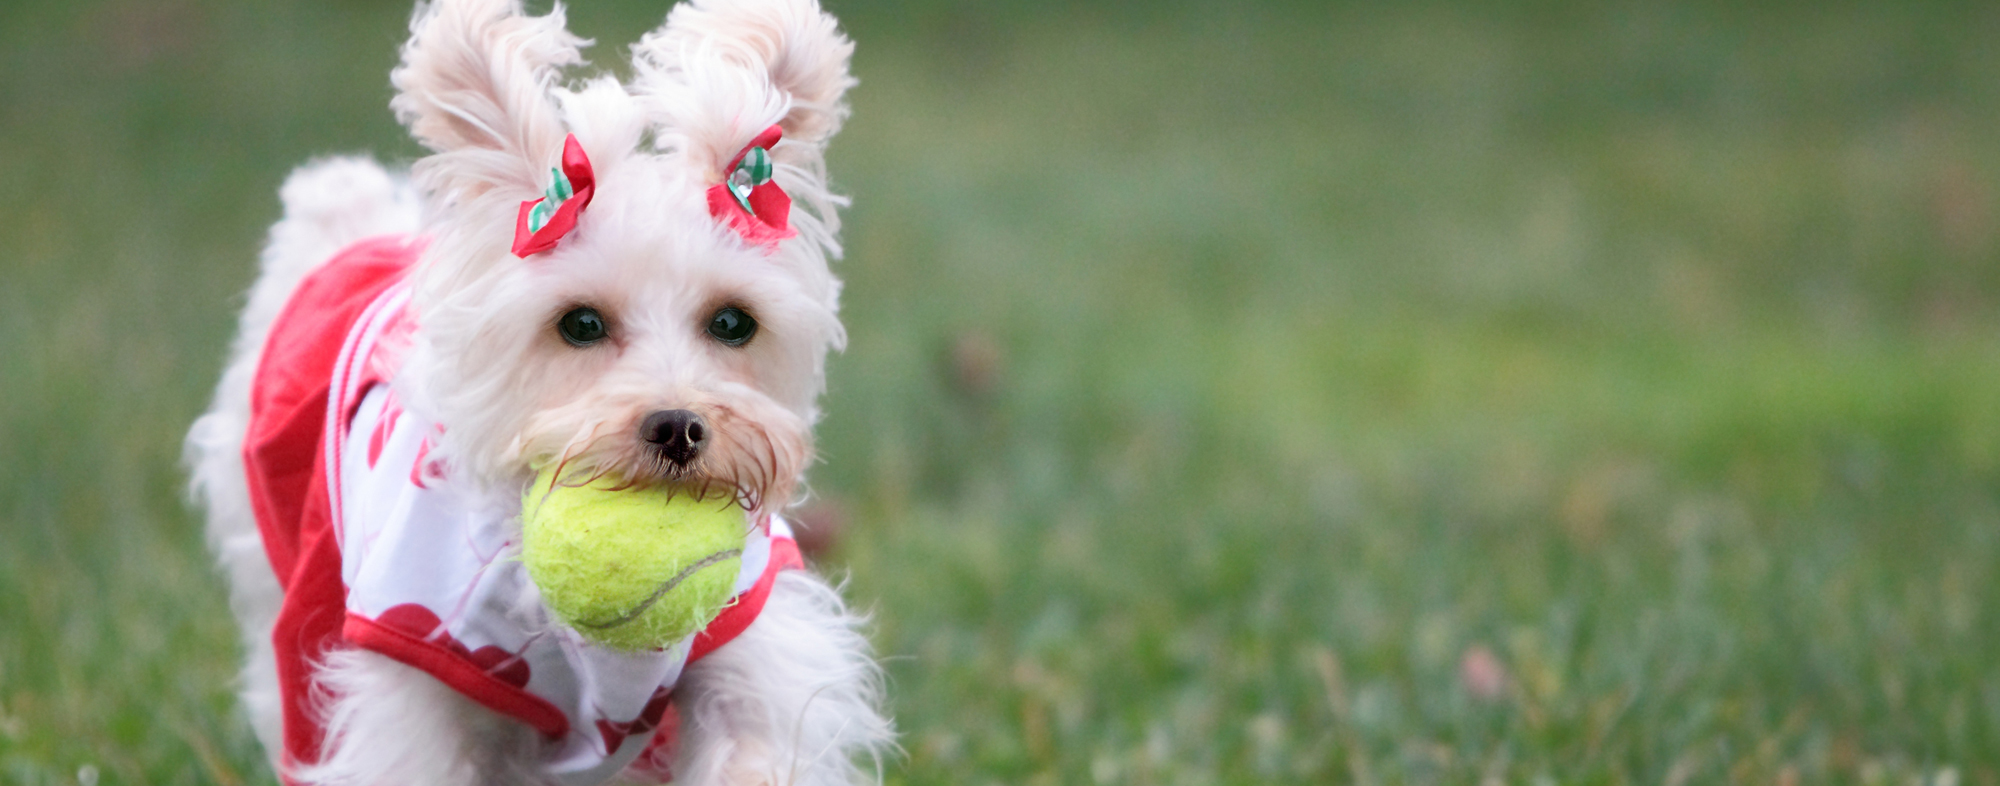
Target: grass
x=1428 y=394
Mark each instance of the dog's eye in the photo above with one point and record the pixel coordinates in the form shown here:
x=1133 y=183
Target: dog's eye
x=581 y=326
x=732 y=326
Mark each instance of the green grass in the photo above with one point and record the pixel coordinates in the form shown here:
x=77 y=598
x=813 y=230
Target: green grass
x=1221 y=381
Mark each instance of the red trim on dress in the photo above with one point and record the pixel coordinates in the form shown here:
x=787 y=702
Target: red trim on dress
x=738 y=616
x=451 y=667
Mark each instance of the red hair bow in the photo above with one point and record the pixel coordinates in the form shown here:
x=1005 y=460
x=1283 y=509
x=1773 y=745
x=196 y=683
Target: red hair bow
x=748 y=200
x=544 y=221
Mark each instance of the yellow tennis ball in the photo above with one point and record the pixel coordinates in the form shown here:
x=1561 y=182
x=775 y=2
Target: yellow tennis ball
x=632 y=569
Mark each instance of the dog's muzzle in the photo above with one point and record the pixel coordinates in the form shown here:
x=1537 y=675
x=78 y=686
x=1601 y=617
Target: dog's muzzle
x=677 y=433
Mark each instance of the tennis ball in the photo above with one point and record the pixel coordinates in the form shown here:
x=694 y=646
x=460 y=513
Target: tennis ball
x=632 y=569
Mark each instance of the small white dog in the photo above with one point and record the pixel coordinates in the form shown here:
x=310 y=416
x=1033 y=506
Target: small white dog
x=608 y=277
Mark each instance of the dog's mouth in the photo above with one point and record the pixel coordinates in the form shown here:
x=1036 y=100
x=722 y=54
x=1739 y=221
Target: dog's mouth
x=711 y=489
x=663 y=461
x=701 y=487
x=695 y=478
x=717 y=453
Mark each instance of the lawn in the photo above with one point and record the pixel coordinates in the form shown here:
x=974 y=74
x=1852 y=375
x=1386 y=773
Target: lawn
x=1293 y=393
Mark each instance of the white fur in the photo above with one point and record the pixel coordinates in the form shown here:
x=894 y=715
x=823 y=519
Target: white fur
x=390 y=723
x=788 y=701
x=793 y=700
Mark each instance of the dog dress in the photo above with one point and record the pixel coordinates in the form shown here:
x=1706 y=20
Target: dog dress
x=376 y=549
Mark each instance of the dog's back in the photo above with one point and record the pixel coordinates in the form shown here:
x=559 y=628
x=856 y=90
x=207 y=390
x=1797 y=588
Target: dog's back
x=328 y=205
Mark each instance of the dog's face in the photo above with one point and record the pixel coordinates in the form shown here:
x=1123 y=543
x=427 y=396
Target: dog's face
x=654 y=342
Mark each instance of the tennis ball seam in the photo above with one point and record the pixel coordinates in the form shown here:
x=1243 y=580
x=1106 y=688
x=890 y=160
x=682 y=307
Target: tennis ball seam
x=630 y=568
x=664 y=588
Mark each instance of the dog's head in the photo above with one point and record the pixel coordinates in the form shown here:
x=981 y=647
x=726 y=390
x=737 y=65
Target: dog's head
x=675 y=327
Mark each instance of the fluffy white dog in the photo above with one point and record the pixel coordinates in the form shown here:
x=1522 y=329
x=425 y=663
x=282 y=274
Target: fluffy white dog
x=610 y=277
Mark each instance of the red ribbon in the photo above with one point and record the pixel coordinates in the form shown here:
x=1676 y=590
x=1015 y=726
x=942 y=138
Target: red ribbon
x=582 y=183
x=769 y=218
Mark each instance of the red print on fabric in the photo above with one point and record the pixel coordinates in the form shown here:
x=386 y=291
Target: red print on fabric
x=576 y=167
x=656 y=761
x=421 y=623
x=424 y=466
x=769 y=218
x=614 y=734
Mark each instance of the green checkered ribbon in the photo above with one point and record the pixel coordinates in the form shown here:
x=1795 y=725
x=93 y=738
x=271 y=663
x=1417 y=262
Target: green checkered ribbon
x=753 y=171
x=559 y=192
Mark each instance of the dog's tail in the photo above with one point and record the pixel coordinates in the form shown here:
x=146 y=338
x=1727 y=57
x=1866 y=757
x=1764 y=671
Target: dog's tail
x=328 y=204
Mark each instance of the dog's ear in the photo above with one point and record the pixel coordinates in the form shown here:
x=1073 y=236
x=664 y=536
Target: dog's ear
x=475 y=85
x=719 y=72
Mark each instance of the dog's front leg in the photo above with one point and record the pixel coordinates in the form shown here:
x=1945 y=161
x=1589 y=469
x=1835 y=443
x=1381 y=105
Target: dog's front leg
x=793 y=701
x=388 y=724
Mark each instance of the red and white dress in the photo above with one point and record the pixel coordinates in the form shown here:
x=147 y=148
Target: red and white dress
x=376 y=549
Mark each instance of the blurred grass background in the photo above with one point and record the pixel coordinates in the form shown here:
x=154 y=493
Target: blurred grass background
x=1278 y=393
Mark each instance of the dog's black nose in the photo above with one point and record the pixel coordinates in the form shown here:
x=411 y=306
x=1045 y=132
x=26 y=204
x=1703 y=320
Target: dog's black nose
x=678 y=432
